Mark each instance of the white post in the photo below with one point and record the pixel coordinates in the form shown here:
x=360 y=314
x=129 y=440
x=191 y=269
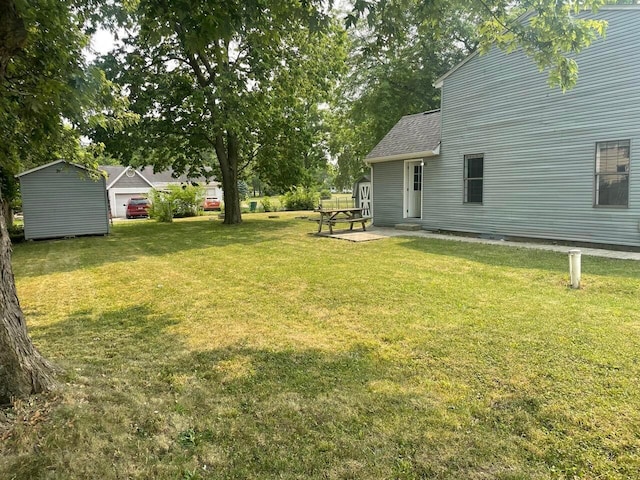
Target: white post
x=575 y=267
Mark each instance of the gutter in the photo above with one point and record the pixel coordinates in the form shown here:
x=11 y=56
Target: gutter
x=404 y=156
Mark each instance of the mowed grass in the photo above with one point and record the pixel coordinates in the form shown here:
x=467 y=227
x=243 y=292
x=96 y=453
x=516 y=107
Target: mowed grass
x=195 y=350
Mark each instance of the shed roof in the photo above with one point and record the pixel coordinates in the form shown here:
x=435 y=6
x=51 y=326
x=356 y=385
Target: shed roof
x=414 y=136
x=55 y=162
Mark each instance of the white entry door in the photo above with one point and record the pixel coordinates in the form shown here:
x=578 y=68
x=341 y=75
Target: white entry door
x=365 y=198
x=413 y=189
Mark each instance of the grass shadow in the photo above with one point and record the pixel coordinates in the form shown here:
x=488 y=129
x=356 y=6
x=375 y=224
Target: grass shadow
x=135 y=390
x=133 y=240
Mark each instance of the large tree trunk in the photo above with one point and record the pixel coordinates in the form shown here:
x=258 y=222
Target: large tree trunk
x=6 y=212
x=23 y=371
x=227 y=153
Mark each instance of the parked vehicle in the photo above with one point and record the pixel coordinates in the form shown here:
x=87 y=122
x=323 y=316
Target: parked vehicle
x=138 y=207
x=211 y=203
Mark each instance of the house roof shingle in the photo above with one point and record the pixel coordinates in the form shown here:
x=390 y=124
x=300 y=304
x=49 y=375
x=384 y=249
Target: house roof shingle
x=112 y=171
x=413 y=134
x=153 y=178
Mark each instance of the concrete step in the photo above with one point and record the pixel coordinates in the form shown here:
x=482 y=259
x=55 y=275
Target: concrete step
x=411 y=227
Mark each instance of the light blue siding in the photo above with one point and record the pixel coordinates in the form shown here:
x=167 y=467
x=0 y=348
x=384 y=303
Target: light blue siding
x=538 y=144
x=60 y=201
x=387 y=196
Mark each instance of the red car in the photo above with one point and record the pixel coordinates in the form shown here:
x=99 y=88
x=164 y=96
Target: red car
x=138 y=207
x=211 y=203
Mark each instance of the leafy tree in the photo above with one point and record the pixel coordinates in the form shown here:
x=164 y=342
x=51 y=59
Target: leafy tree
x=389 y=79
x=235 y=80
x=47 y=97
x=550 y=36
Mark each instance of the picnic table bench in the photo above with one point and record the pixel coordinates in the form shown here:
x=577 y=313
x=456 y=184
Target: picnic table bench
x=332 y=216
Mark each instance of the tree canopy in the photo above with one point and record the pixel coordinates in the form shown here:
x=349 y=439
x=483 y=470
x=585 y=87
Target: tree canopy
x=234 y=81
x=550 y=34
x=390 y=76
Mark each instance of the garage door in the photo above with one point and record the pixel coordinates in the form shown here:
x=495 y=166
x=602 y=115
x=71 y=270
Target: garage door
x=121 y=203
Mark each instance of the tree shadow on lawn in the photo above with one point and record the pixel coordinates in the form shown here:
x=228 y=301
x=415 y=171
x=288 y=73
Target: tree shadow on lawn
x=131 y=241
x=513 y=257
x=135 y=388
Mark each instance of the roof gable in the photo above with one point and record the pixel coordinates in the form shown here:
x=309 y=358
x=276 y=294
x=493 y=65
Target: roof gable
x=51 y=164
x=147 y=177
x=414 y=136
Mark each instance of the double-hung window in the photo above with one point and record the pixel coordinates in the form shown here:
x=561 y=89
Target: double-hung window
x=473 y=174
x=612 y=173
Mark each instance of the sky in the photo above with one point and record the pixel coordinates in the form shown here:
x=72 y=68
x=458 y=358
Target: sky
x=102 y=42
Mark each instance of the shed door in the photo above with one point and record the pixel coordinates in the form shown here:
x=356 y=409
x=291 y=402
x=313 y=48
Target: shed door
x=365 y=198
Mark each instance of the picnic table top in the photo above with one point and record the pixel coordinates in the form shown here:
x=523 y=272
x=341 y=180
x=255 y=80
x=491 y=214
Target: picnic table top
x=338 y=210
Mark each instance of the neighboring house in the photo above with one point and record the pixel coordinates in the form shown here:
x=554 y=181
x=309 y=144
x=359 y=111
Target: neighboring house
x=507 y=155
x=124 y=183
x=62 y=199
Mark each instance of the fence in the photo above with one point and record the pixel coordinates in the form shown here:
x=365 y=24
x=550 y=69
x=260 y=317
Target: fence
x=338 y=202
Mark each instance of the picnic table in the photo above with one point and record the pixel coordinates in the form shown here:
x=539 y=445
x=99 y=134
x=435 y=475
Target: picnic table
x=331 y=216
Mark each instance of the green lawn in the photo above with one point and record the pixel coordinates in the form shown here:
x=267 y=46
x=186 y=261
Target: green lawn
x=195 y=350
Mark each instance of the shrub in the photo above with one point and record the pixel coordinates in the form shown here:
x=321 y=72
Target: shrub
x=160 y=208
x=325 y=194
x=176 y=201
x=300 y=198
x=267 y=206
x=186 y=200
x=16 y=233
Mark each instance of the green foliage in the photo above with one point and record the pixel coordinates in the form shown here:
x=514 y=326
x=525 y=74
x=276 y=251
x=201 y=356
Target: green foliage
x=325 y=194
x=243 y=190
x=176 y=201
x=161 y=208
x=229 y=81
x=300 y=198
x=49 y=97
x=16 y=233
x=267 y=205
x=549 y=36
x=390 y=79
x=186 y=200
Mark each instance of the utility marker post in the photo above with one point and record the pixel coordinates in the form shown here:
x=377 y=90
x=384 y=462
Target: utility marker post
x=575 y=267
